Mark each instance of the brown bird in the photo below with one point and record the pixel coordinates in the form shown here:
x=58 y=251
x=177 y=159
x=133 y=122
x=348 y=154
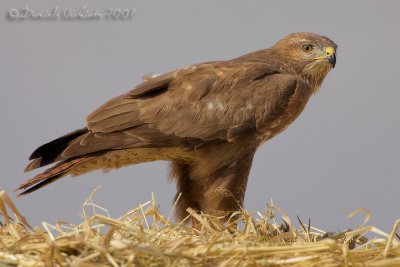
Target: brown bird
x=207 y=119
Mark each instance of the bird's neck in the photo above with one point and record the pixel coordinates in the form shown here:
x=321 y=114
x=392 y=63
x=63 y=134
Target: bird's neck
x=314 y=76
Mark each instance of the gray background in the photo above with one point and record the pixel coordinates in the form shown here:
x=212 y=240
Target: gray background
x=341 y=154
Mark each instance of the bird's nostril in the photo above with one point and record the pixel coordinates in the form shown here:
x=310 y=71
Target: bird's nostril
x=329 y=51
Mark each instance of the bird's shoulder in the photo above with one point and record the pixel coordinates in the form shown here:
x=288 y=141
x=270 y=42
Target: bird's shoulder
x=199 y=79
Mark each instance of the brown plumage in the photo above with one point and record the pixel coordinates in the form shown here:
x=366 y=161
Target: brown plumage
x=206 y=119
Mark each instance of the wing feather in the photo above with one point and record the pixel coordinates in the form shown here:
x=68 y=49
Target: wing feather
x=219 y=101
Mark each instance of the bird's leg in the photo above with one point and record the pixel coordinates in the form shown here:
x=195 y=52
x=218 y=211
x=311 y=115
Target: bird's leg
x=215 y=185
x=224 y=194
x=188 y=190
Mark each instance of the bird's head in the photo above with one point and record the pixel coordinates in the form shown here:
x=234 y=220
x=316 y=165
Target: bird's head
x=311 y=55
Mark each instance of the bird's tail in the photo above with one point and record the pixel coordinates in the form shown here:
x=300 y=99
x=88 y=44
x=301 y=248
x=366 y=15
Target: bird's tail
x=51 y=151
x=54 y=173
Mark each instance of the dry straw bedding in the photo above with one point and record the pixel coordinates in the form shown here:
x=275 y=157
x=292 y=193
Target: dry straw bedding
x=144 y=237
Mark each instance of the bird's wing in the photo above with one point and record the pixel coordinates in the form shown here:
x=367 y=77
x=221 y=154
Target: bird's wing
x=211 y=101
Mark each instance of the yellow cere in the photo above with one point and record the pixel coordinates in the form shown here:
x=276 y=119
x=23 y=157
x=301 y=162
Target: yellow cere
x=329 y=51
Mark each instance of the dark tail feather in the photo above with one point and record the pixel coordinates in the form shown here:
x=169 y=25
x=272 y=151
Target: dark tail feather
x=39 y=185
x=51 y=175
x=49 y=152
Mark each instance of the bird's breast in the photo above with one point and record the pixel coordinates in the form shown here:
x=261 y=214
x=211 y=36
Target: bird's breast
x=277 y=124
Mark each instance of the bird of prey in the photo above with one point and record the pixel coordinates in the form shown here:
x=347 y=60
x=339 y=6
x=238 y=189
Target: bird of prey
x=207 y=119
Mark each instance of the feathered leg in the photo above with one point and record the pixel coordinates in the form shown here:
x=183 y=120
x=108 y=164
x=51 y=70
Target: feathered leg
x=215 y=191
x=225 y=191
x=187 y=188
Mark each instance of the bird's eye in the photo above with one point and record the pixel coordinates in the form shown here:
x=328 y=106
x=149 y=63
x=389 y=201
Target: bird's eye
x=307 y=48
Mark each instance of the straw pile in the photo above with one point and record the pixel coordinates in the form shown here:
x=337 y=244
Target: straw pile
x=143 y=237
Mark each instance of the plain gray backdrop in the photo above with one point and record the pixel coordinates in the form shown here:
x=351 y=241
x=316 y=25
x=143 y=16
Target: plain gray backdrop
x=342 y=153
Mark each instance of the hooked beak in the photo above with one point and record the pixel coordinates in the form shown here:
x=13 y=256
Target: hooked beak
x=329 y=55
x=332 y=60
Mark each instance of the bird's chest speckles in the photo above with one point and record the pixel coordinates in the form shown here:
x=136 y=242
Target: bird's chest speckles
x=289 y=113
